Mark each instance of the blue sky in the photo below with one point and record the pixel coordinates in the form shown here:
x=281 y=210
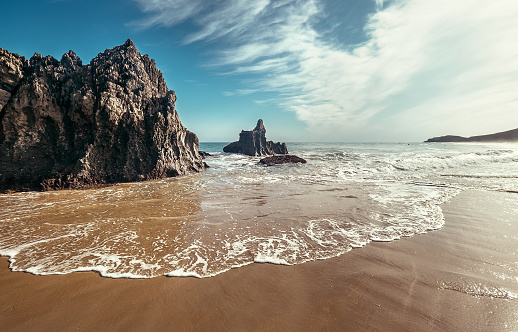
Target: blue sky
x=313 y=70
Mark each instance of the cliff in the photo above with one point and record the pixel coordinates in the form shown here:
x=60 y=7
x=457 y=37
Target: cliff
x=506 y=136
x=253 y=143
x=68 y=125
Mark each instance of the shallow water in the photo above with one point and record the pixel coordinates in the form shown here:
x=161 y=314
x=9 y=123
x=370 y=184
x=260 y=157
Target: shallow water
x=239 y=212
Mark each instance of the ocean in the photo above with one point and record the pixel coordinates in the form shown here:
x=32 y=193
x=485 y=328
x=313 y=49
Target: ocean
x=239 y=212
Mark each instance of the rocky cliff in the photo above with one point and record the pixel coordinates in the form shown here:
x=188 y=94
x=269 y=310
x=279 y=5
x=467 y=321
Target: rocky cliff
x=253 y=143
x=68 y=125
x=506 y=136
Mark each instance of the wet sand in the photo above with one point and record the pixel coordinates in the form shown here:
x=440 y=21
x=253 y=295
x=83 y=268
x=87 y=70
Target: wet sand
x=460 y=278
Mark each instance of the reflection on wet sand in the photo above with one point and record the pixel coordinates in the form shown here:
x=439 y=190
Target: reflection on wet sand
x=234 y=214
x=460 y=278
x=122 y=230
x=188 y=226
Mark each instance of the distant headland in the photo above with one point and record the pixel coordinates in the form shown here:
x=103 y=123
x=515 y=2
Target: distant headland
x=505 y=136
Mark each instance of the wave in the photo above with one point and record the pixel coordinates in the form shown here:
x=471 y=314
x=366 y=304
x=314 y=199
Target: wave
x=239 y=213
x=478 y=289
x=108 y=232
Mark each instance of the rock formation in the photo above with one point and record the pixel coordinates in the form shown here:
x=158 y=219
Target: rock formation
x=253 y=143
x=281 y=159
x=68 y=125
x=506 y=136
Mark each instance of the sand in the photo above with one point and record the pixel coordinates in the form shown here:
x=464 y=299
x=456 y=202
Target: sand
x=460 y=278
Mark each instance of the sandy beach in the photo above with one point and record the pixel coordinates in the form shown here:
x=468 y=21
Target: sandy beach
x=459 y=278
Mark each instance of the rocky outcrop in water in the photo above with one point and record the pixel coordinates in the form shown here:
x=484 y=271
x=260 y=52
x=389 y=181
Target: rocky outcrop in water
x=282 y=159
x=68 y=125
x=506 y=136
x=204 y=154
x=253 y=143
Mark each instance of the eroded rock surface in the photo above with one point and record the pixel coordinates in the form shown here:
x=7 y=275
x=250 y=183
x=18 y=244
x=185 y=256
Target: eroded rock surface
x=282 y=159
x=68 y=125
x=253 y=143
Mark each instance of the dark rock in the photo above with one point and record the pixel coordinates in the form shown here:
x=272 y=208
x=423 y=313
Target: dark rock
x=253 y=143
x=12 y=68
x=448 y=138
x=506 y=136
x=68 y=125
x=204 y=154
x=281 y=159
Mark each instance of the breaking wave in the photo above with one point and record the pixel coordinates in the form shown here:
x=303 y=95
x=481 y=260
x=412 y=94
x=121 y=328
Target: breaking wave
x=239 y=212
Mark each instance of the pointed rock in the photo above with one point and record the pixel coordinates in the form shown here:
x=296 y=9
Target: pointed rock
x=129 y=43
x=253 y=143
x=71 y=61
x=260 y=126
x=64 y=125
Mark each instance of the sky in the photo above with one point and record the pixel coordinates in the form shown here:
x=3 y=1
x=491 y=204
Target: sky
x=313 y=70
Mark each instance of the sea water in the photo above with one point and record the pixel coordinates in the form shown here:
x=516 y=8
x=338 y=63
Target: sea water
x=239 y=212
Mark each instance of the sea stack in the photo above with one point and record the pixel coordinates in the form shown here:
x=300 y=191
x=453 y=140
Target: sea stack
x=253 y=143
x=68 y=125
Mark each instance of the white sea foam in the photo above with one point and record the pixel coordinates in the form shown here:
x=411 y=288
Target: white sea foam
x=238 y=213
x=479 y=289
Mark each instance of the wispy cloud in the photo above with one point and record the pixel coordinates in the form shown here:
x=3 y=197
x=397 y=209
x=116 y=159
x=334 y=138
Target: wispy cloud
x=379 y=4
x=427 y=65
x=239 y=92
x=232 y=18
x=167 y=12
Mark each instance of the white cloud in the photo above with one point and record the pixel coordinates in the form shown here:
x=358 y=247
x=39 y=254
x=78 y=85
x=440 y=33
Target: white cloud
x=233 y=18
x=427 y=66
x=167 y=12
x=239 y=92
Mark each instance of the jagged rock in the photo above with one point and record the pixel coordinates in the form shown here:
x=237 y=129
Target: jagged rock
x=281 y=159
x=204 y=154
x=11 y=72
x=65 y=125
x=253 y=143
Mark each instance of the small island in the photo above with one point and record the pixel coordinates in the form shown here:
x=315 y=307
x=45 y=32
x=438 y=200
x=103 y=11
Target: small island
x=505 y=136
x=253 y=143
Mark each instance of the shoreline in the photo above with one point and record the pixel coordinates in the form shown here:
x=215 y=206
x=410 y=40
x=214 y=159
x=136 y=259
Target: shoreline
x=456 y=278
